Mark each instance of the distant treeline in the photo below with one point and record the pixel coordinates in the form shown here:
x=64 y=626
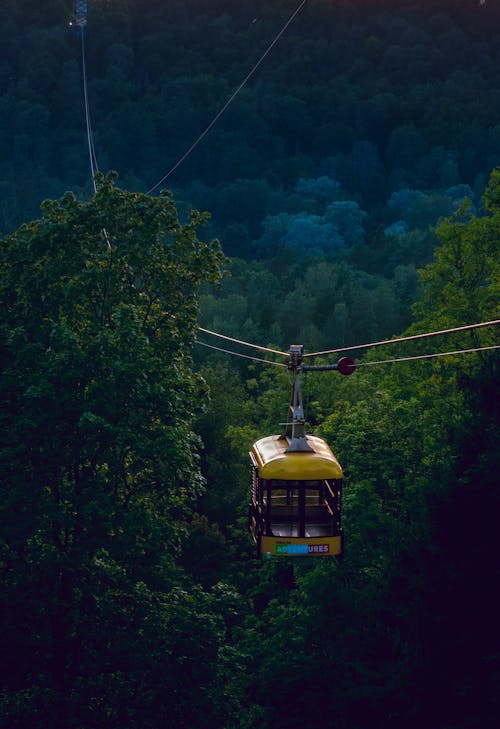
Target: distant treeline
x=371 y=97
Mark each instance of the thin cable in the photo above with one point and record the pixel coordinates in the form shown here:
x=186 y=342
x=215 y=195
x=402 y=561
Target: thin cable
x=406 y=339
x=92 y=156
x=428 y=356
x=94 y=167
x=238 y=354
x=229 y=101
x=246 y=344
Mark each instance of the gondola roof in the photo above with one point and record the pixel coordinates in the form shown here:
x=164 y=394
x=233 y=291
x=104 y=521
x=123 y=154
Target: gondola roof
x=274 y=462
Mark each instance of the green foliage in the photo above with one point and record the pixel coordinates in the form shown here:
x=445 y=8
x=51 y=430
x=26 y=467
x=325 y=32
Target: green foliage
x=379 y=637
x=309 y=298
x=463 y=283
x=98 y=458
x=403 y=106
x=130 y=592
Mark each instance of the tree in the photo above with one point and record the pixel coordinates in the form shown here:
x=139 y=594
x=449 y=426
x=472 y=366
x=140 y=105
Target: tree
x=462 y=285
x=98 y=460
x=390 y=634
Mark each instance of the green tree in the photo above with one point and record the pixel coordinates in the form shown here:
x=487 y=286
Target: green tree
x=462 y=284
x=401 y=631
x=98 y=459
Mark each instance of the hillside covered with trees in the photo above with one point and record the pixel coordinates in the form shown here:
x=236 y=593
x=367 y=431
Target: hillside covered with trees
x=353 y=195
x=369 y=97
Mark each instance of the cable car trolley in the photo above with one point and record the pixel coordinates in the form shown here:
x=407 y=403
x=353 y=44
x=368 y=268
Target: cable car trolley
x=80 y=17
x=295 y=508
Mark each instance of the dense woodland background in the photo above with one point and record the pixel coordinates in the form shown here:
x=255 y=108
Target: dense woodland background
x=354 y=187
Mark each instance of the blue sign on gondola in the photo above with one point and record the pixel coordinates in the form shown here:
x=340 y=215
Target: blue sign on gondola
x=302 y=548
x=292 y=548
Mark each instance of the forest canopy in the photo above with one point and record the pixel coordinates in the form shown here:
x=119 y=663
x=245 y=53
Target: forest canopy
x=354 y=185
x=374 y=97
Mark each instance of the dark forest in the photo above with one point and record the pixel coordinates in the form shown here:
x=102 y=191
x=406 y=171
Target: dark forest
x=349 y=194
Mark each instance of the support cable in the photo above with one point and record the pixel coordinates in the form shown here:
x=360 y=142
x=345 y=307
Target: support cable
x=229 y=101
x=238 y=354
x=405 y=339
x=357 y=346
x=246 y=344
x=306 y=368
x=428 y=356
x=94 y=169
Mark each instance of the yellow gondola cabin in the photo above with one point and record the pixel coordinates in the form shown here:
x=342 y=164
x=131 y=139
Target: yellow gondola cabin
x=295 y=508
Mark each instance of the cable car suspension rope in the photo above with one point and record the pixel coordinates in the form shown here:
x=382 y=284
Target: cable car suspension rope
x=428 y=356
x=229 y=101
x=238 y=354
x=358 y=364
x=94 y=167
x=405 y=339
x=358 y=346
x=246 y=344
x=90 y=141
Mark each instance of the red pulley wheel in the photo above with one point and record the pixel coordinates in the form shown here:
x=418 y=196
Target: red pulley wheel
x=346 y=366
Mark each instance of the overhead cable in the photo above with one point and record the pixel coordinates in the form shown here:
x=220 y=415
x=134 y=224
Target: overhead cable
x=94 y=168
x=238 y=354
x=405 y=339
x=246 y=344
x=358 y=364
x=229 y=101
x=428 y=356
x=90 y=141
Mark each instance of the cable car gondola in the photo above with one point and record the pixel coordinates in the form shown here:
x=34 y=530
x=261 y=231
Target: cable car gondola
x=295 y=508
